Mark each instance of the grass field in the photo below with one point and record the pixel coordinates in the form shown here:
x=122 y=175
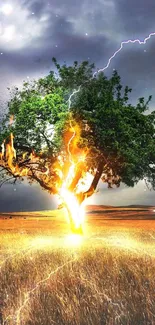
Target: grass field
x=105 y=277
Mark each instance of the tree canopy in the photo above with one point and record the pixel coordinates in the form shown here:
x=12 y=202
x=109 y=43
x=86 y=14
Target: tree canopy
x=96 y=129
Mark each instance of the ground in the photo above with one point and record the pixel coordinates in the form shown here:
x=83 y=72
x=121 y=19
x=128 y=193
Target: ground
x=105 y=277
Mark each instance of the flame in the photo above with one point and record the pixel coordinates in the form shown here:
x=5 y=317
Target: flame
x=65 y=170
x=3 y=150
x=76 y=157
x=8 y=158
x=10 y=153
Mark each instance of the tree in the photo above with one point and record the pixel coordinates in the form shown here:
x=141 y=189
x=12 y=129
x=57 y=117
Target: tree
x=57 y=139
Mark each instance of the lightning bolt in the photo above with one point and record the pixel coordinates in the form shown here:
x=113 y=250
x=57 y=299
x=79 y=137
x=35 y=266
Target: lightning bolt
x=110 y=59
x=74 y=92
x=17 y=315
x=101 y=70
x=69 y=142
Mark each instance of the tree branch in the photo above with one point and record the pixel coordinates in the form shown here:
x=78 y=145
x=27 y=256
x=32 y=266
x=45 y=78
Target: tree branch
x=147 y=185
x=42 y=184
x=6 y=180
x=46 y=139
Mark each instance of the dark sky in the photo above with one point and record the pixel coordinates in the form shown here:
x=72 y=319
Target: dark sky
x=32 y=32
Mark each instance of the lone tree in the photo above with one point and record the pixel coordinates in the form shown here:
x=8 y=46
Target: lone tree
x=58 y=140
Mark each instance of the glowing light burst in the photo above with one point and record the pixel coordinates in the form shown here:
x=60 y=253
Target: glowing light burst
x=76 y=210
x=17 y=315
x=42 y=242
x=74 y=240
x=111 y=58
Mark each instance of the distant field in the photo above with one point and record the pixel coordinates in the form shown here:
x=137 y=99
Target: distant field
x=105 y=277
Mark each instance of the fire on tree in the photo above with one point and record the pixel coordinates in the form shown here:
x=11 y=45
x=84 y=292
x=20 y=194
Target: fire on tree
x=68 y=152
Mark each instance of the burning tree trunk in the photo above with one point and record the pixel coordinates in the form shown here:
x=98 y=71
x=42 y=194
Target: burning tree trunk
x=74 y=201
x=61 y=176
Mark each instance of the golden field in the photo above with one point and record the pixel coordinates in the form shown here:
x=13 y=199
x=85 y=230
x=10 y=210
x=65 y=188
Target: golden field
x=105 y=277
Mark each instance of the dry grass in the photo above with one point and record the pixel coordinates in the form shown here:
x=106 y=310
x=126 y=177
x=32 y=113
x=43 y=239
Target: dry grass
x=45 y=280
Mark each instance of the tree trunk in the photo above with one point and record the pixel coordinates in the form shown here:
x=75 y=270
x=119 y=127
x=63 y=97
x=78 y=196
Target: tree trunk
x=82 y=196
x=77 y=177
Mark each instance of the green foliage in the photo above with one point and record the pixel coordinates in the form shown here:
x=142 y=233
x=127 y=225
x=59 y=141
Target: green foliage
x=38 y=110
x=120 y=134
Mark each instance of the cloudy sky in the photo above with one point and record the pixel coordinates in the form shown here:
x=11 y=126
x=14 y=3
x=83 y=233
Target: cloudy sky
x=33 y=31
